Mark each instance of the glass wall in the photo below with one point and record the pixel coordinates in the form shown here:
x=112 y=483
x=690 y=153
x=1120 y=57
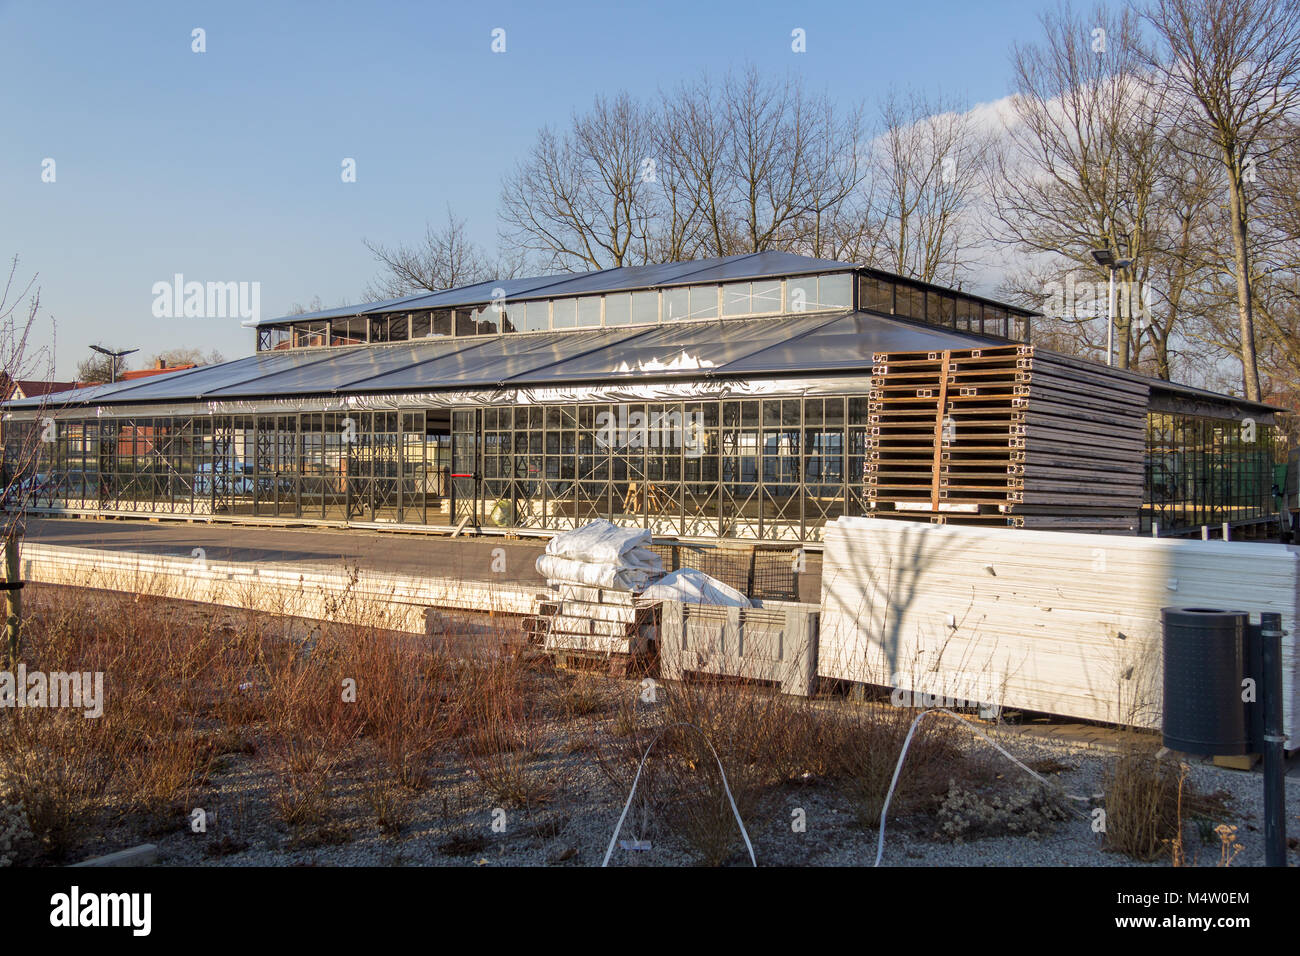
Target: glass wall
x=360 y=466
x=765 y=468
x=940 y=307
x=771 y=468
x=649 y=307
x=1205 y=471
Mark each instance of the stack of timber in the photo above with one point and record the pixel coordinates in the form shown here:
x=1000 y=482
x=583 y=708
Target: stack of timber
x=1055 y=622
x=1005 y=435
x=587 y=624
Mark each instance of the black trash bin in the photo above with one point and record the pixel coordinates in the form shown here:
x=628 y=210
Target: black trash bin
x=1205 y=662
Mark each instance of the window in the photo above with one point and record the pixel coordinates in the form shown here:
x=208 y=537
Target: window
x=442 y=322
x=677 y=304
x=819 y=293
x=589 y=312
x=910 y=302
x=489 y=319
x=645 y=308
x=420 y=325
x=310 y=334
x=564 y=313
x=877 y=295
x=766 y=297
x=704 y=302
x=618 y=309
x=968 y=314
x=399 y=328
x=274 y=338
x=467 y=320
x=944 y=311
x=836 y=291
x=348 y=331
x=995 y=321
x=802 y=294
x=538 y=317
x=736 y=299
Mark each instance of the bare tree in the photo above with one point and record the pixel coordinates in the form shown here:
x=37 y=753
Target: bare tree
x=20 y=305
x=928 y=166
x=186 y=356
x=1081 y=167
x=99 y=368
x=445 y=258
x=584 y=198
x=1235 y=66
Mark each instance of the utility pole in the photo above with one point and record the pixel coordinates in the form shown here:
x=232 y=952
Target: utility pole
x=113 y=357
x=1107 y=258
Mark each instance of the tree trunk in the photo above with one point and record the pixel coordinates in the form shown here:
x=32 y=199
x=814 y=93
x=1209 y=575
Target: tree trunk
x=1245 y=312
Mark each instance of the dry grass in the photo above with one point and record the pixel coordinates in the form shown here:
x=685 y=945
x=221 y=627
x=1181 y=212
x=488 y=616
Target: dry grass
x=191 y=690
x=765 y=741
x=1148 y=798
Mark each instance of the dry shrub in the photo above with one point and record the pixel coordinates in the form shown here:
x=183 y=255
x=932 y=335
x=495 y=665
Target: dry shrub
x=390 y=805
x=1147 y=798
x=751 y=730
x=578 y=695
x=407 y=699
x=861 y=749
x=502 y=733
x=58 y=766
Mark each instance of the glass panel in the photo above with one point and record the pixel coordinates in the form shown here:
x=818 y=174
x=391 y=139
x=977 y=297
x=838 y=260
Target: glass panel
x=618 y=309
x=645 y=308
x=677 y=304
x=877 y=295
x=398 y=328
x=736 y=299
x=421 y=324
x=704 y=302
x=836 y=291
x=467 y=321
x=802 y=294
x=589 y=312
x=538 y=317
x=442 y=322
x=766 y=297
x=348 y=331
x=564 y=313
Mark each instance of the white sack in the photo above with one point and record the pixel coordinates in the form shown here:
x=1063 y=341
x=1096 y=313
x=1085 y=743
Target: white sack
x=603 y=542
x=611 y=576
x=694 y=587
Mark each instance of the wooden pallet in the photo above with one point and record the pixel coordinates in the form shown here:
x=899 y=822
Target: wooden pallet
x=1005 y=435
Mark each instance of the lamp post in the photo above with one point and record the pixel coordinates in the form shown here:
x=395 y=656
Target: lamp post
x=1107 y=258
x=113 y=356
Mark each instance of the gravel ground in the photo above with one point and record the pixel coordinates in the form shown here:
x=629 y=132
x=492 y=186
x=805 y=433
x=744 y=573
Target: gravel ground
x=451 y=823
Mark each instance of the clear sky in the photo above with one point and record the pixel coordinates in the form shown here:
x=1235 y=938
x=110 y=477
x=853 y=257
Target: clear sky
x=225 y=165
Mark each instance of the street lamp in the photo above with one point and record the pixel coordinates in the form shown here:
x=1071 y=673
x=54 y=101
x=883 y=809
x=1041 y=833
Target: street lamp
x=1107 y=258
x=114 y=356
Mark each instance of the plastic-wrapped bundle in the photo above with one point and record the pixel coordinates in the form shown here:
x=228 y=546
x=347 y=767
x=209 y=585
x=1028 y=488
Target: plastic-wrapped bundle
x=691 y=586
x=590 y=574
x=603 y=542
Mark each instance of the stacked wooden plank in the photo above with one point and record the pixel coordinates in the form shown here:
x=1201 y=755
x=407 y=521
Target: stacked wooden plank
x=1004 y=435
x=1061 y=623
x=598 y=622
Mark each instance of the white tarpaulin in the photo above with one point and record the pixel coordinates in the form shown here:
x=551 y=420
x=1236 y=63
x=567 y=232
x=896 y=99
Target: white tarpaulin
x=571 y=571
x=694 y=587
x=603 y=542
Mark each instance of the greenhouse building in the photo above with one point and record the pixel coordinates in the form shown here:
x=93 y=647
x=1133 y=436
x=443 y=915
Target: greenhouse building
x=753 y=396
